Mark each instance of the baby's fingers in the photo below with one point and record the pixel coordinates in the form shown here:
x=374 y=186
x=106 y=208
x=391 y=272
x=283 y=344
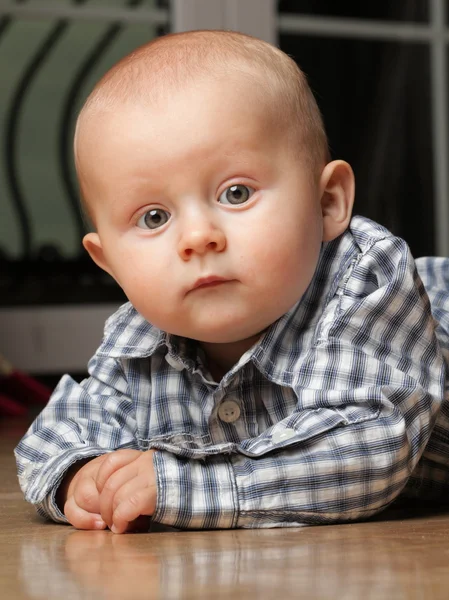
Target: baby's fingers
x=128 y=511
x=117 y=481
x=86 y=495
x=135 y=503
x=112 y=463
x=80 y=518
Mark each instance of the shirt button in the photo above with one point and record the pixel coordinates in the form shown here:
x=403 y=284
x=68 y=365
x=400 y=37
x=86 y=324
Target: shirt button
x=282 y=435
x=229 y=411
x=173 y=362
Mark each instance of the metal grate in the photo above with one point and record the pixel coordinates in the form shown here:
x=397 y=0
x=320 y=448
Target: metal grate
x=51 y=54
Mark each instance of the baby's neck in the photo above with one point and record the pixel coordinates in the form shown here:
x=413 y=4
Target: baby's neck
x=222 y=357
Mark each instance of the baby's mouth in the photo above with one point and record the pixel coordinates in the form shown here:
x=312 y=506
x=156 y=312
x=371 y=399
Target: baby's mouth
x=208 y=282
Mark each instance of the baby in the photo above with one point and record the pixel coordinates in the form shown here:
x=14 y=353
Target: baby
x=278 y=363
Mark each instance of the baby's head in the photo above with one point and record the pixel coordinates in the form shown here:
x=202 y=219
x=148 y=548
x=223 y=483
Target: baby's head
x=203 y=164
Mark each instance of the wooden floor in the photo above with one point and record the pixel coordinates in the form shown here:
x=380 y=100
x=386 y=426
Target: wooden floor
x=397 y=556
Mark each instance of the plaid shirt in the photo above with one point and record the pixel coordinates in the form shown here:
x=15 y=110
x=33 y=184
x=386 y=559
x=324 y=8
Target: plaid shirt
x=337 y=402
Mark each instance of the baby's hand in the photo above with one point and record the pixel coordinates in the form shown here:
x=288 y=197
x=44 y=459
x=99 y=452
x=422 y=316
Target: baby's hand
x=126 y=482
x=78 y=495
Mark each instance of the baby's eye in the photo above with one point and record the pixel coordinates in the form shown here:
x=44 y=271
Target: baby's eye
x=153 y=219
x=236 y=194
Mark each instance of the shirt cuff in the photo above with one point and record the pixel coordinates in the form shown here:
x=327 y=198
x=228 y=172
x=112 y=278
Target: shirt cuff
x=195 y=494
x=50 y=510
x=40 y=485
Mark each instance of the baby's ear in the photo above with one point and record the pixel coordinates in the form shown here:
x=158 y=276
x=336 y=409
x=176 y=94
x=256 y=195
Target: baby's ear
x=92 y=244
x=337 y=187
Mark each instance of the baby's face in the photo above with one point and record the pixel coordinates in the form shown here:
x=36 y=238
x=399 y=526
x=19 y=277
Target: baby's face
x=204 y=216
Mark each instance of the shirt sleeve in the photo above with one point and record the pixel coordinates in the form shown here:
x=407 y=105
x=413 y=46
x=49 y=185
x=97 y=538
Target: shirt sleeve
x=81 y=420
x=368 y=390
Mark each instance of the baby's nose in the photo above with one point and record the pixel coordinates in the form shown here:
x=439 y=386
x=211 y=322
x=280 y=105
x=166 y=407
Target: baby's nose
x=200 y=241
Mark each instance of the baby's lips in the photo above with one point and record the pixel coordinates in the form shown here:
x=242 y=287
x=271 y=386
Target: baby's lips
x=209 y=281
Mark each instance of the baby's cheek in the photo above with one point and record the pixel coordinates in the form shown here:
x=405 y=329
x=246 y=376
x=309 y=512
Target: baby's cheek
x=154 y=301
x=295 y=268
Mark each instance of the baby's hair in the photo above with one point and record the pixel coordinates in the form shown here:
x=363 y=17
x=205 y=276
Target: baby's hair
x=154 y=70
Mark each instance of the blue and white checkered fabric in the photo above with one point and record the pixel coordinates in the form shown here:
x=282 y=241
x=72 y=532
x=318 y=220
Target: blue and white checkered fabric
x=338 y=401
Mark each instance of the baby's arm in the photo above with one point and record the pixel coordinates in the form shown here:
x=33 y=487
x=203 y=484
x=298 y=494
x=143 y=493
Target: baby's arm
x=82 y=422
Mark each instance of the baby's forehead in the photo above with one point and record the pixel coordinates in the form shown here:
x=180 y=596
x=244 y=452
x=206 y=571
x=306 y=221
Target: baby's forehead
x=143 y=86
x=222 y=106
x=135 y=89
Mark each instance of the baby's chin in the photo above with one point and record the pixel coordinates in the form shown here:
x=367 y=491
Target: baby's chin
x=214 y=329
x=227 y=337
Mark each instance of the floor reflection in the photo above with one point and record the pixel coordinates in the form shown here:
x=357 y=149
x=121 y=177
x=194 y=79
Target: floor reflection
x=322 y=562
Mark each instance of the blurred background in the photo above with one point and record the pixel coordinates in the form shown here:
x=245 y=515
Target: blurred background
x=379 y=73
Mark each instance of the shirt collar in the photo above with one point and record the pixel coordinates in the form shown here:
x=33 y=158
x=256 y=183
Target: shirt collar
x=128 y=335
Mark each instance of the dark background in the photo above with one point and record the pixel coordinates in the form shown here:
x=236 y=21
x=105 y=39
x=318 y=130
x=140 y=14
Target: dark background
x=376 y=103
